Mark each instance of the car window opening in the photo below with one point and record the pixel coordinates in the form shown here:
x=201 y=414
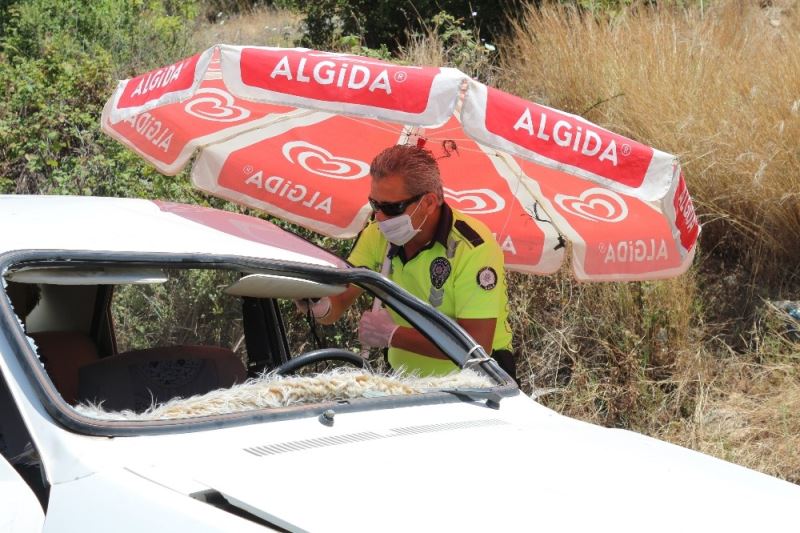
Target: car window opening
x=191 y=342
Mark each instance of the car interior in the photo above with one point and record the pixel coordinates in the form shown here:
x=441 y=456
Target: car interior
x=129 y=338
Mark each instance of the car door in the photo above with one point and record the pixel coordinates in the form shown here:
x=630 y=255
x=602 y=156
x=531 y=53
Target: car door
x=20 y=511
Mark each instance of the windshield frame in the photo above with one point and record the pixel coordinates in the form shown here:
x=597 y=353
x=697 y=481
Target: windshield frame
x=445 y=333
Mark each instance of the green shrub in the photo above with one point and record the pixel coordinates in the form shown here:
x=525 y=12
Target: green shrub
x=387 y=22
x=137 y=34
x=190 y=308
x=59 y=62
x=447 y=41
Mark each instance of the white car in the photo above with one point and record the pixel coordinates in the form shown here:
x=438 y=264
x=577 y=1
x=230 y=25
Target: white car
x=149 y=383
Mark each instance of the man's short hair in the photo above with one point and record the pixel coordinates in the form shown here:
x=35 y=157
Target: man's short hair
x=415 y=165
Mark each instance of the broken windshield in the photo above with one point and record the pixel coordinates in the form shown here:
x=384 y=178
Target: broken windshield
x=158 y=342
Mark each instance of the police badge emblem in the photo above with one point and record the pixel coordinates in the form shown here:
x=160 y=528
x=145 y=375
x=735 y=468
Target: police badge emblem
x=440 y=271
x=487 y=278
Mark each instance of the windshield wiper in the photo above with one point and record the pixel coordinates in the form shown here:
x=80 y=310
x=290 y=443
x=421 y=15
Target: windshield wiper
x=474 y=395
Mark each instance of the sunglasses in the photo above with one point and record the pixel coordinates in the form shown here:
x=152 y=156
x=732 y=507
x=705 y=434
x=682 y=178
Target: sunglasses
x=393 y=209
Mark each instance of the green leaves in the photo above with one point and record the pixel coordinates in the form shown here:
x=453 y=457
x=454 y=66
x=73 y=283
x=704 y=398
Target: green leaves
x=388 y=23
x=59 y=62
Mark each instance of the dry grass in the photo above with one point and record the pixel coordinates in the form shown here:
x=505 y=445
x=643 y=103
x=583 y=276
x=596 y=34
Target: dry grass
x=748 y=415
x=748 y=410
x=610 y=351
x=262 y=26
x=638 y=356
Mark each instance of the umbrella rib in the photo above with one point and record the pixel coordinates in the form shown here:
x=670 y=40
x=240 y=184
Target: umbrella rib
x=371 y=123
x=513 y=189
x=518 y=175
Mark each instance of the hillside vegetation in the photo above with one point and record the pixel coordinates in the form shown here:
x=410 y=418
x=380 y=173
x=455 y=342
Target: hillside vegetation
x=710 y=360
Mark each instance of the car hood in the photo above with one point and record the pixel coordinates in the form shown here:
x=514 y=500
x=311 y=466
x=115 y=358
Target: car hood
x=471 y=468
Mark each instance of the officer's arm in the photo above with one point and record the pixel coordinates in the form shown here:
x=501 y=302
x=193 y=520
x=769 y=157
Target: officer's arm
x=480 y=329
x=340 y=303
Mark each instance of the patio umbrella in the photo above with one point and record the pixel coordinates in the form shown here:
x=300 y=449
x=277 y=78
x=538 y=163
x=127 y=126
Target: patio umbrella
x=292 y=131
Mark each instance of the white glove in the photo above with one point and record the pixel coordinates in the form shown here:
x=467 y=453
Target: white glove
x=319 y=309
x=376 y=328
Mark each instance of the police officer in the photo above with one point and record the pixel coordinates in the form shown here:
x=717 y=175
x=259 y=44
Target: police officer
x=436 y=253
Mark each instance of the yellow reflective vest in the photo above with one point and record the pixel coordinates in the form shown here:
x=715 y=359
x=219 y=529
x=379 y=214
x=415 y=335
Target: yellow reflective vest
x=460 y=272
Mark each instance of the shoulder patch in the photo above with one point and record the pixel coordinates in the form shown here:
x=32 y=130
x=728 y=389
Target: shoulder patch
x=470 y=234
x=487 y=278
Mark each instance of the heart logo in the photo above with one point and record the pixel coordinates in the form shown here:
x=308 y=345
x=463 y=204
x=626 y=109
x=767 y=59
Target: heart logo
x=321 y=162
x=476 y=201
x=596 y=204
x=216 y=105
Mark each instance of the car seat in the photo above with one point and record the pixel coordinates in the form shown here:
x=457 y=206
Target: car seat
x=138 y=379
x=62 y=353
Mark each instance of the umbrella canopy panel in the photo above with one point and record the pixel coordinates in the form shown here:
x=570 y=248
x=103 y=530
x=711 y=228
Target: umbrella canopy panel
x=292 y=132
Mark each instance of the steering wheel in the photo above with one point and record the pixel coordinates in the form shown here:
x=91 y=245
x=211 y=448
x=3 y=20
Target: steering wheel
x=316 y=356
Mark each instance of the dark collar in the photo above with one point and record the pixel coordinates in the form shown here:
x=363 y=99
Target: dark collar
x=445 y=225
x=440 y=235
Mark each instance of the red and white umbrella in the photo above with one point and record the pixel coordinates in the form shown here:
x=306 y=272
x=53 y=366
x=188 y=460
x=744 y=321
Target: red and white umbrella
x=292 y=131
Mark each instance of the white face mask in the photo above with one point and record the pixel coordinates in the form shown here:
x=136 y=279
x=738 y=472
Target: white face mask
x=399 y=230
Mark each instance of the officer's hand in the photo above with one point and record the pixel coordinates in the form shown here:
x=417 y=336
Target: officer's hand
x=376 y=328
x=319 y=309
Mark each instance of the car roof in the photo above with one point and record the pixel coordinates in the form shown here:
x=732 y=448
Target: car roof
x=132 y=225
